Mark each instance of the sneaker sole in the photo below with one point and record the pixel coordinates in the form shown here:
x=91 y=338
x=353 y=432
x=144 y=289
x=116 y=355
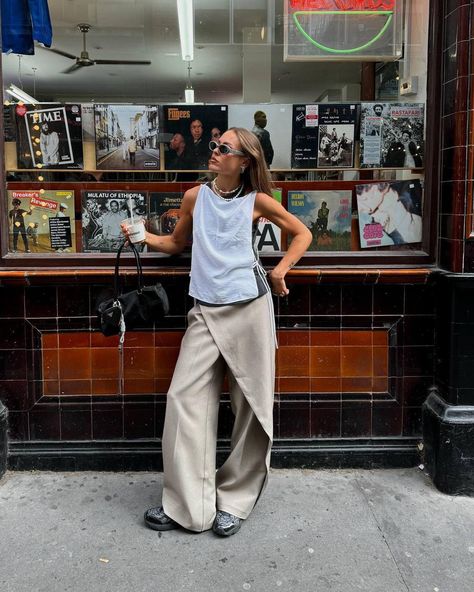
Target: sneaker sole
x=228 y=533
x=161 y=527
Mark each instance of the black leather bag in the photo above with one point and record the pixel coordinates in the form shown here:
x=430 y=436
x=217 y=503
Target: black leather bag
x=127 y=310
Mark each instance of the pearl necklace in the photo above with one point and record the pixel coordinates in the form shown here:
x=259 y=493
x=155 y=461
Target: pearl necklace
x=218 y=191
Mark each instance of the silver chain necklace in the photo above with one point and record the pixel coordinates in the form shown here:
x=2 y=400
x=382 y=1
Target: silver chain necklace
x=218 y=191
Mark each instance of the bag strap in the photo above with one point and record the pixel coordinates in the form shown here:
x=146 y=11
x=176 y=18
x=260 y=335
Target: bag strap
x=117 y=270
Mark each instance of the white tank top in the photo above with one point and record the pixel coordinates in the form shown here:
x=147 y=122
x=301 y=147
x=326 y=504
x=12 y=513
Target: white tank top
x=223 y=259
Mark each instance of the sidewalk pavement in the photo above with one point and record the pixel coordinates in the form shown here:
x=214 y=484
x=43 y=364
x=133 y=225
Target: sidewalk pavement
x=318 y=531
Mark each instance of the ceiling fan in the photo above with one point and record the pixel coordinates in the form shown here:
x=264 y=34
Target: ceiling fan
x=84 y=59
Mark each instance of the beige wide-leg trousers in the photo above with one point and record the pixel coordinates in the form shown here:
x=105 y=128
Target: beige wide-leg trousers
x=239 y=339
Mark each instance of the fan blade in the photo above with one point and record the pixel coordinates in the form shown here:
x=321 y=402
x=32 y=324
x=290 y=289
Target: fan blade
x=125 y=62
x=72 y=69
x=60 y=52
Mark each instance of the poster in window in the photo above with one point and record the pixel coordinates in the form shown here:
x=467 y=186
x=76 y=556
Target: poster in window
x=126 y=137
x=391 y=135
x=274 y=119
x=49 y=136
x=304 y=136
x=41 y=221
x=268 y=234
x=328 y=216
x=390 y=213
x=336 y=135
x=189 y=129
x=102 y=214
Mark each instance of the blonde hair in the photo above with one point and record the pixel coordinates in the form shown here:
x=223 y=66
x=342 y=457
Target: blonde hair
x=256 y=175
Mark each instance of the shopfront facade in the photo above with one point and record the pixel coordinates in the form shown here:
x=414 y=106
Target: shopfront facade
x=375 y=358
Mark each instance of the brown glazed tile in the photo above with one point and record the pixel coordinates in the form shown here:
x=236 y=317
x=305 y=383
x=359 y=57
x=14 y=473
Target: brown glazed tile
x=293 y=385
x=453 y=197
x=49 y=340
x=380 y=361
x=325 y=361
x=139 y=362
x=326 y=385
x=450 y=254
x=104 y=363
x=356 y=385
x=293 y=337
x=452 y=227
x=99 y=340
x=380 y=384
x=356 y=361
x=74 y=339
x=356 y=337
x=456 y=61
x=50 y=364
x=380 y=337
x=51 y=388
x=168 y=338
x=75 y=387
x=456 y=26
x=75 y=364
x=165 y=361
x=139 y=339
x=455 y=95
x=105 y=387
x=133 y=386
x=327 y=338
x=293 y=361
x=162 y=386
x=454 y=129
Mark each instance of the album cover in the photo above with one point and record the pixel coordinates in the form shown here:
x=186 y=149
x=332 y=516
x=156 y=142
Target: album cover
x=41 y=221
x=304 y=137
x=268 y=236
x=102 y=214
x=164 y=212
x=390 y=213
x=328 y=216
x=49 y=136
x=391 y=135
x=126 y=137
x=336 y=135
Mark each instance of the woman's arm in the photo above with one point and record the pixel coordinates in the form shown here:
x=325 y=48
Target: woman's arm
x=269 y=208
x=174 y=243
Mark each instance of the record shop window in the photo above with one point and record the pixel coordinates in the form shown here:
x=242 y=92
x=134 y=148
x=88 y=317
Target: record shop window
x=105 y=120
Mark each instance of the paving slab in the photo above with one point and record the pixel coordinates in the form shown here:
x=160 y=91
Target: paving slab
x=318 y=531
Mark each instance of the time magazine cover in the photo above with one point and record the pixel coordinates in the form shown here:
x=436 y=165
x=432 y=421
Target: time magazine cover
x=126 y=137
x=49 y=136
x=327 y=214
x=336 y=135
x=391 y=135
x=41 y=221
x=102 y=214
x=390 y=213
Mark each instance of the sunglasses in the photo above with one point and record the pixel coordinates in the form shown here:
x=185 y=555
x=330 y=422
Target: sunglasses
x=224 y=149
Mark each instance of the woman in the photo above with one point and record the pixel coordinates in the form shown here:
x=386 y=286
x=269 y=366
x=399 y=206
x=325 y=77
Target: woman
x=230 y=328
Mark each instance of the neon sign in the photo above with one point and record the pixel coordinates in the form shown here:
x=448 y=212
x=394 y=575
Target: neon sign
x=375 y=16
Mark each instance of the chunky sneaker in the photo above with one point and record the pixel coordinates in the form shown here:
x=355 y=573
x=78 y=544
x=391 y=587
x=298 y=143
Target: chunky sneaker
x=156 y=519
x=226 y=524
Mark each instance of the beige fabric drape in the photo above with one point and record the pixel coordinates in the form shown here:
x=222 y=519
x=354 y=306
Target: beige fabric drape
x=238 y=338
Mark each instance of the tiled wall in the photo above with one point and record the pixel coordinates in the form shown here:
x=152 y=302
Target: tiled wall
x=355 y=360
x=457 y=171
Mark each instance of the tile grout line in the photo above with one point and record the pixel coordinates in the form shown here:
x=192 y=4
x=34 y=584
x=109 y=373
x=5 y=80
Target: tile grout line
x=382 y=533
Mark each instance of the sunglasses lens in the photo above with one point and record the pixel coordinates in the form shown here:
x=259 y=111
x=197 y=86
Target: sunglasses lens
x=223 y=149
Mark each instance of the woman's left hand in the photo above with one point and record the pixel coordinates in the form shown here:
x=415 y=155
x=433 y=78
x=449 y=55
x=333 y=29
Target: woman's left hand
x=278 y=284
